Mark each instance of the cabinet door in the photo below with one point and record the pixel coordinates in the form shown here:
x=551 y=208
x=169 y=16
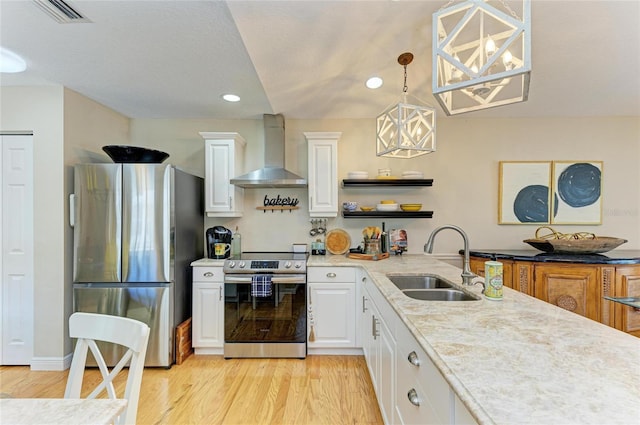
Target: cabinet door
x=332 y=306
x=208 y=319
x=574 y=288
x=386 y=370
x=522 y=277
x=223 y=161
x=323 y=173
x=627 y=319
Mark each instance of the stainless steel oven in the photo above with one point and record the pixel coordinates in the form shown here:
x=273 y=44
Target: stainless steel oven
x=265 y=309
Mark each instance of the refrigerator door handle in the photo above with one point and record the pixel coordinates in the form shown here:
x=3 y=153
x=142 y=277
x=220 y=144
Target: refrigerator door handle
x=72 y=210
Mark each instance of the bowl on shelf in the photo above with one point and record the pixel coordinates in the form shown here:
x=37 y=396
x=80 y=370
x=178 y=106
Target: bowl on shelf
x=410 y=207
x=387 y=207
x=367 y=209
x=134 y=154
x=350 y=206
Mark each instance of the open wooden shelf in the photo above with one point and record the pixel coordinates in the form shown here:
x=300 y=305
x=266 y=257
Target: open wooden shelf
x=387 y=214
x=386 y=182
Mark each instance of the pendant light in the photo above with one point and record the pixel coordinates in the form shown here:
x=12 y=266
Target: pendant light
x=481 y=54
x=405 y=130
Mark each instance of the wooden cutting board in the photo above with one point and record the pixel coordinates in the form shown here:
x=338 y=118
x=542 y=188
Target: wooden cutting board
x=371 y=257
x=184 y=347
x=337 y=241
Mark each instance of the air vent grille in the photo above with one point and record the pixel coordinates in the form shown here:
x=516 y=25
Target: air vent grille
x=60 y=11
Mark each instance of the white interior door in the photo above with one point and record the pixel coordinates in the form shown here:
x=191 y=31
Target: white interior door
x=16 y=263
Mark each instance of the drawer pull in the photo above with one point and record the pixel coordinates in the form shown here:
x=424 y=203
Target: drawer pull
x=412 y=395
x=208 y=274
x=413 y=359
x=364 y=304
x=331 y=274
x=374 y=327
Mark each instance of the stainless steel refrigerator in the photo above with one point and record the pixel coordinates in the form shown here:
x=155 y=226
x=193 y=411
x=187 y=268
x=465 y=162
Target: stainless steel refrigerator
x=136 y=229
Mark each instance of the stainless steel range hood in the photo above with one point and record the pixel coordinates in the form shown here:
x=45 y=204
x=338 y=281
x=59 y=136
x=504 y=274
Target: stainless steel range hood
x=273 y=174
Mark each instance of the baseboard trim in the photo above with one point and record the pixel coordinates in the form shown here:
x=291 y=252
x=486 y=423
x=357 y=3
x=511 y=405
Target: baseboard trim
x=334 y=351
x=51 y=363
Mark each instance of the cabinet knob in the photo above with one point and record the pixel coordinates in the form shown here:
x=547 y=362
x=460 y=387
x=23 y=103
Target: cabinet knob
x=413 y=358
x=208 y=274
x=412 y=395
x=331 y=274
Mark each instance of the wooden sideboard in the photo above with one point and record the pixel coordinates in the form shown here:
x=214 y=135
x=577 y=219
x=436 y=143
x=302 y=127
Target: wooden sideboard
x=579 y=287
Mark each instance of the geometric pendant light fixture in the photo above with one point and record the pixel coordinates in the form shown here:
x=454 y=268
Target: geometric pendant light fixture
x=406 y=130
x=481 y=54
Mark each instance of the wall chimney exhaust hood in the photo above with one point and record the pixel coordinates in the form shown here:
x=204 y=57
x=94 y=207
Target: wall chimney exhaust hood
x=273 y=174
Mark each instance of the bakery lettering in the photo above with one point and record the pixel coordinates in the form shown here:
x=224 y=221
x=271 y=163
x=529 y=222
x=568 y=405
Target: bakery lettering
x=278 y=201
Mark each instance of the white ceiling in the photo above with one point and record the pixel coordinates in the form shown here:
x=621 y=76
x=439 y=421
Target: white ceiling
x=308 y=59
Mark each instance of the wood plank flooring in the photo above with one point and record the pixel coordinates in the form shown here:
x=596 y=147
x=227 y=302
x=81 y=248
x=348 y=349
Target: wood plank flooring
x=212 y=390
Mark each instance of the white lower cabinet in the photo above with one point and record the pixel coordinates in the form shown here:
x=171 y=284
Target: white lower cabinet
x=422 y=394
x=331 y=304
x=208 y=310
x=379 y=346
x=409 y=387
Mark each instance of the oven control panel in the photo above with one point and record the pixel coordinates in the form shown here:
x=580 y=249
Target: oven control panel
x=264 y=266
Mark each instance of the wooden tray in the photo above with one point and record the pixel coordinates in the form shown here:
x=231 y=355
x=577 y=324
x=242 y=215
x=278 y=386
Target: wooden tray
x=372 y=257
x=183 y=341
x=597 y=245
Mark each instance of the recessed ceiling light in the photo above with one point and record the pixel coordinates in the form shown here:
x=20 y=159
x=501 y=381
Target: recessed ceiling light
x=374 y=82
x=231 y=97
x=10 y=62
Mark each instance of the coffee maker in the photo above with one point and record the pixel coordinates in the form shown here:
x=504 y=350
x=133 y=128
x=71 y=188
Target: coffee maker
x=219 y=242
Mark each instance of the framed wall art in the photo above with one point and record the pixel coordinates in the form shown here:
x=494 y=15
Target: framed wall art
x=524 y=195
x=578 y=192
x=550 y=192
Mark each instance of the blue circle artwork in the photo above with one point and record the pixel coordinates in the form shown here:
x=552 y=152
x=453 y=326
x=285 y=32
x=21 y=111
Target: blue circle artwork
x=579 y=185
x=531 y=204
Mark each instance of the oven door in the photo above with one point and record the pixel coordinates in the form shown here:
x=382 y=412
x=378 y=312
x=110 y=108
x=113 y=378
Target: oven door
x=265 y=326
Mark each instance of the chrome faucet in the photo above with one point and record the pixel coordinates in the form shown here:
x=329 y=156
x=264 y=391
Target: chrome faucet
x=467 y=276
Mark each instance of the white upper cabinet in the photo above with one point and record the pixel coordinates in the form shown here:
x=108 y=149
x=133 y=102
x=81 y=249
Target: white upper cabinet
x=323 y=173
x=224 y=159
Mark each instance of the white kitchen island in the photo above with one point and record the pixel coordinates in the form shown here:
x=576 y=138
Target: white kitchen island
x=518 y=360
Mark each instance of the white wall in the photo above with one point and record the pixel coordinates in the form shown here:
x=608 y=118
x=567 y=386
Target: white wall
x=464 y=169
x=40 y=109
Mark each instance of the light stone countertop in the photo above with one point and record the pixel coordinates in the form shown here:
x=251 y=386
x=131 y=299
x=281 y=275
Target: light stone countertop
x=208 y=262
x=518 y=360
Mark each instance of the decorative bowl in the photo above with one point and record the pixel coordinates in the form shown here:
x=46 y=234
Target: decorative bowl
x=387 y=207
x=410 y=207
x=350 y=206
x=597 y=245
x=134 y=154
x=367 y=209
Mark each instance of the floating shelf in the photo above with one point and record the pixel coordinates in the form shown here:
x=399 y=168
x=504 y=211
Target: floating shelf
x=387 y=214
x=386 y=182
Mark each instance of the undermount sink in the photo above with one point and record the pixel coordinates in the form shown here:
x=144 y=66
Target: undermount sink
x=439 y=295
x=429 y=287
x=426 y=281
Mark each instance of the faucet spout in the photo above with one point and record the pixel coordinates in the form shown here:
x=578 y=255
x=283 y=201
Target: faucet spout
x=467 y=276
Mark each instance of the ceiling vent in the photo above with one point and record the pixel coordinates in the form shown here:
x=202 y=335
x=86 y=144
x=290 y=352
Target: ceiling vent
x=60 y=11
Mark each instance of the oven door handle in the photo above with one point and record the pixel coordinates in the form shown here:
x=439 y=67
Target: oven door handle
x=294 y=278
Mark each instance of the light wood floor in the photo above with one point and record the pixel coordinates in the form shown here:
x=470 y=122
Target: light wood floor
x=212 y=390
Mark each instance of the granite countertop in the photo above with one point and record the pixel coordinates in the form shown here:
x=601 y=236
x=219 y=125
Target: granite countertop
x=208 y=262
x=518 y=360
x=612 y=257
